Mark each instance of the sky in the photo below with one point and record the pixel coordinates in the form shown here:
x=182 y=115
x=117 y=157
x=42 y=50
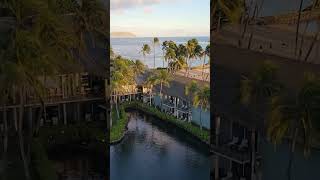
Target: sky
x=161 y=18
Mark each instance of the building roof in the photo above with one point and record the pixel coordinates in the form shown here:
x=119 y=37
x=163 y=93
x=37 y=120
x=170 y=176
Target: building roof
x=177 y=86
x=231 y=63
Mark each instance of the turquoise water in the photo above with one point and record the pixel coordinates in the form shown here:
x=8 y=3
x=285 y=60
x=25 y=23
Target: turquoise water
x=152 y=151
x=131 y=48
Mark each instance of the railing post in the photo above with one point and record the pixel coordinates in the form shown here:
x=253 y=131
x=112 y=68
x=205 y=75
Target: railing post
x=253 y=153
x=217 y=132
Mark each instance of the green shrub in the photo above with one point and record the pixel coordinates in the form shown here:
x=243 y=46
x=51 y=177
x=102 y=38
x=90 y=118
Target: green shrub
x=203 y=135
x=119 y=127
x=43 y=167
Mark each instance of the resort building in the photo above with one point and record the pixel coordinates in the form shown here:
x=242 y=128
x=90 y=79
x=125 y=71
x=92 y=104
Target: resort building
x=174 y=101
x=240 y=148
x=69 y=98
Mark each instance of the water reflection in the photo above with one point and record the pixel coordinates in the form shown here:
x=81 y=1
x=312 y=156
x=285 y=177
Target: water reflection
x=154 y=151
x=80 y=166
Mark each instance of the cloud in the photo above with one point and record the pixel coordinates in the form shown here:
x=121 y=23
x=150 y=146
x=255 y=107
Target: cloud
x=147 y=10
x=125 y=4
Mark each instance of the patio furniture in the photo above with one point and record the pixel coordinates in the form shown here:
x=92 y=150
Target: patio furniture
x=228 y=177
x=243 y=145
x=234 y=141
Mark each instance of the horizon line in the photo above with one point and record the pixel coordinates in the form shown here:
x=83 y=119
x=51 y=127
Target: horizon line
x=163 y=36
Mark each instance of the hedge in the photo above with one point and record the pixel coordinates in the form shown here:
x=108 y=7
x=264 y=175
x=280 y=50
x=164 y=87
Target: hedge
x=203 y=135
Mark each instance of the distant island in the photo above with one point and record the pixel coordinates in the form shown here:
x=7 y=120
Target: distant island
x=122 y=35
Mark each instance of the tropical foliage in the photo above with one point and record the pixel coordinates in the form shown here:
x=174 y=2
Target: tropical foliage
x=203 y=135
x=296 y=118
x=43 y=39
x=202 y=100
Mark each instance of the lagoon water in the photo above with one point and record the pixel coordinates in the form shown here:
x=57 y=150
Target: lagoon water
x=152 y=151
x=131 y=48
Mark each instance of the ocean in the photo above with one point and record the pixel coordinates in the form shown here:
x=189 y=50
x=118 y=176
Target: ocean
x=131 y=48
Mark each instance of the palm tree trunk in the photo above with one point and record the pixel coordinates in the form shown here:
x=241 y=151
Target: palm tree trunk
x=200 y=118
x=30 y=133
x=293 y=145
x=163 y=59
x=219 y=22
x=204 y=61
x=311 y=46
x=20 y=135
x=298 y=26
x=250 y=40
x=160 y=93
x=5 y=143
x=154 y=56
x=117 y=108
x=253 y=154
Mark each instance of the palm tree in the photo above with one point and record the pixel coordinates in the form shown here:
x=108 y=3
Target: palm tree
x=178 y=64
x=145 y=50
x=226 y=10
x=164 y=49
x=256 y=91
x=206 y=54
x=34 y=49
x=122 y=74
x=190 y=90
x=298 y=27
x=155 y=42
x=202 y=99
x=295 y=118
x=138 y=68
x=191 y=46
x=170 y=56
x=161 y=77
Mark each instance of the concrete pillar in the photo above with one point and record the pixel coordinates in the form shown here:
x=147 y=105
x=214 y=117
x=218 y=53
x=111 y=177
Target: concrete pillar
x=92 y=113
x=64 y=114
x=15 y=117
x=59 y=113
x=78 y=112
x=231 y=130
x=30 y=119
x=217 y=132
x=45 y=113
x=253 y=153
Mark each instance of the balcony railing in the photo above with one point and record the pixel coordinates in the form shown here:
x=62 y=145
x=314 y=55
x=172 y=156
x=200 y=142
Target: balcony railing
x=234 y=150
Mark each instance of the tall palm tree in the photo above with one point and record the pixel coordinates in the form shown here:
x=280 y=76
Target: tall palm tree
x=138 y=67
x=298 y=27
x=202 y=100
x=145 y=50
x=33 y=49
x=206 y=54
x=122 y=75
x=170 y=56
x=191 y=46
x=295 y=118
x=190 y=90
x=164 y=49
x=256 y=91
x=178 y=64
x=162 y=78
x=223 y=11
x=155 y=43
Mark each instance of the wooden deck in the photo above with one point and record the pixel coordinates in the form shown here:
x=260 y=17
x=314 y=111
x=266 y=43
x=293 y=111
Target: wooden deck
x=59 y=100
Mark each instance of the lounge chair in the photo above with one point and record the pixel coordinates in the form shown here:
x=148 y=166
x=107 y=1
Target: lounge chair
x=228 y=177
x=234 y=141
x=243 y=145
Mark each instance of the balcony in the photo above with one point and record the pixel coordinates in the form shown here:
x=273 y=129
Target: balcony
x=236 y=149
